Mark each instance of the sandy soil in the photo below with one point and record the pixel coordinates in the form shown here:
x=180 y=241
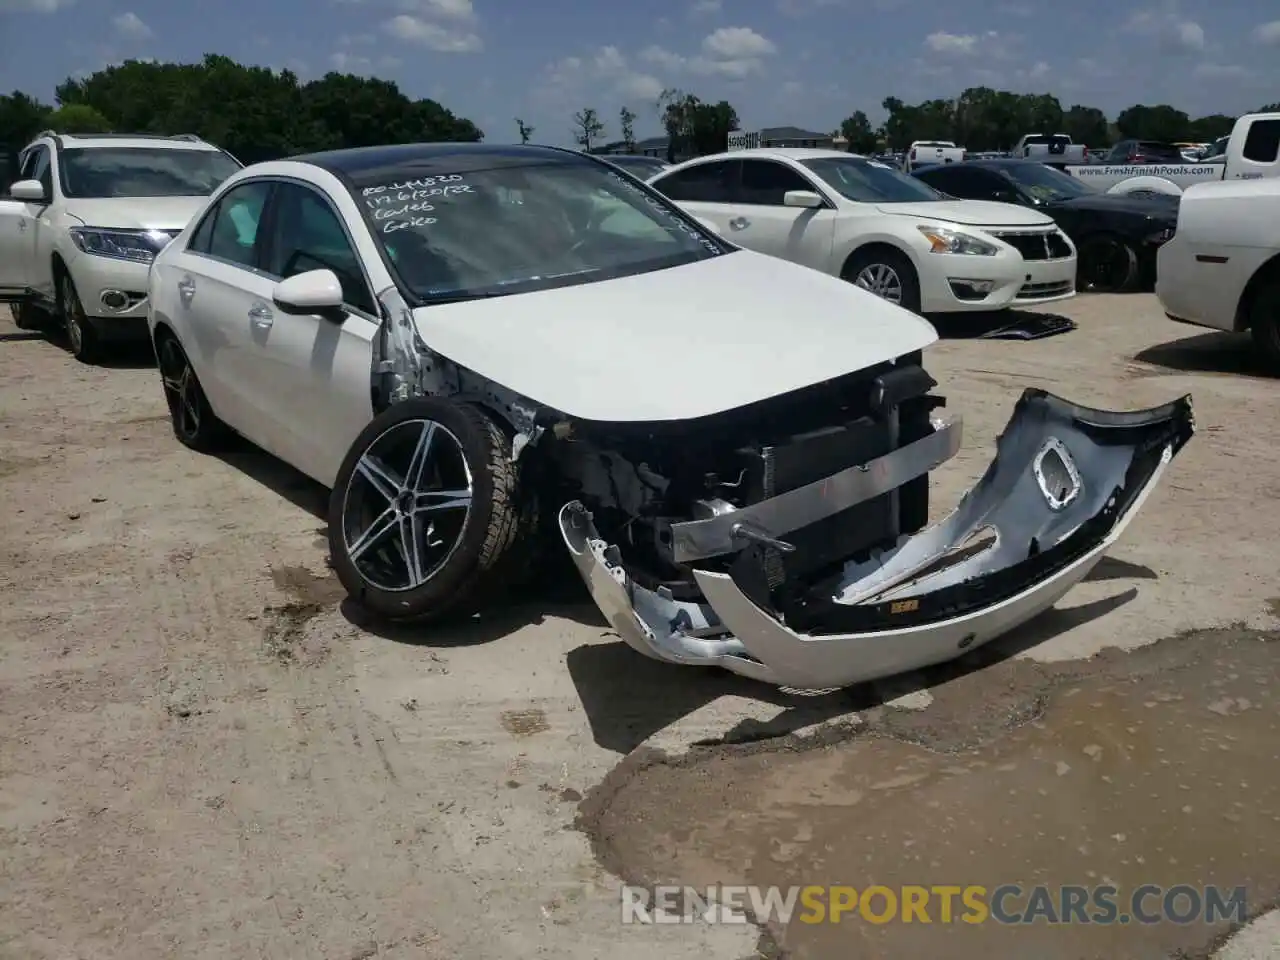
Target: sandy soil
x=202 y=754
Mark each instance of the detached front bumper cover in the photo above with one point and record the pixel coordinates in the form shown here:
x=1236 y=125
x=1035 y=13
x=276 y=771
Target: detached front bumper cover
x=1065 y=483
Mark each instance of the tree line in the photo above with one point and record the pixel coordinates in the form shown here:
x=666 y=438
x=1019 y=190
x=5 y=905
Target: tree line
x=255 y=113
x=979 y=119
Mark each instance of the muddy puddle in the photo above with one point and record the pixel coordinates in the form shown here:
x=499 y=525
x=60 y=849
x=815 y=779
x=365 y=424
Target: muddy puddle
x=1160 y=766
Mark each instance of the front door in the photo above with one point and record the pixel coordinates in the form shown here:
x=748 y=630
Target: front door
x=763 y=222
x=20 y=226
x=704 y=190
x=316 y=373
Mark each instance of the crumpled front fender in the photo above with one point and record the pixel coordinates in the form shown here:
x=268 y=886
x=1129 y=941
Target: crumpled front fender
x=1065 y=483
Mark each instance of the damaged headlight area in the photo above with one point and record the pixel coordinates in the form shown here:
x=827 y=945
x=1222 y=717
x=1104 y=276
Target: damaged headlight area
x=819 y=582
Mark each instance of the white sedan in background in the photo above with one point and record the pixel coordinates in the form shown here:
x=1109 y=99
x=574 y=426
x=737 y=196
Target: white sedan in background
x=861 y=220
x=462 y=339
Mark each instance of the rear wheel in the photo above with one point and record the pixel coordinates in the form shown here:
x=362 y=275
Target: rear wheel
x=27 y=316
x=426 y=511
x=887 y=273
x=194 y=422
x=1107 y=264
x=1264 y=322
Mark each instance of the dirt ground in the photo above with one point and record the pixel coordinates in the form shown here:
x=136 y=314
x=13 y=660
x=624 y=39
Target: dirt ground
x=204 y=755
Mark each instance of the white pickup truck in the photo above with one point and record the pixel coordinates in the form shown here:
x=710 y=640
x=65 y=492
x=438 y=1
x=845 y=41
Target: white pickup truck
x=1252 y=153
x=927 y=152
x=1055 y=149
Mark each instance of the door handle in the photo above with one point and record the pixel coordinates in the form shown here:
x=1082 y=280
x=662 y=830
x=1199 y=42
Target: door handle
x=739 y=223
x=260 y=315
x=186 y=289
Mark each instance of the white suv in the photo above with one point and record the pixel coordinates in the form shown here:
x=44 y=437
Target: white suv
x=80 y=227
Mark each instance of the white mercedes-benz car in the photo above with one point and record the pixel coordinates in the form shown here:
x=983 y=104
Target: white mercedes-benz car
x=863 y=221
x=461 y=339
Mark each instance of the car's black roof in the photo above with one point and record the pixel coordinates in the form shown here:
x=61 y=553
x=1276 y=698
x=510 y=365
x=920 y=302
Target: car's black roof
x=995 y=163
x=440 y=158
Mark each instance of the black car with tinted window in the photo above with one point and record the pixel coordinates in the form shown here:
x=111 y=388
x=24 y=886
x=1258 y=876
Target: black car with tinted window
x=1116 y=237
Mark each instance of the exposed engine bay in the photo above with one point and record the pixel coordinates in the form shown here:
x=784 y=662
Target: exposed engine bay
x=786 y=540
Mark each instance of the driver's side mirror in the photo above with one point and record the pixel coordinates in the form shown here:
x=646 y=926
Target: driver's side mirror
x=802 y=198
x=311 y=293
x=30 y=191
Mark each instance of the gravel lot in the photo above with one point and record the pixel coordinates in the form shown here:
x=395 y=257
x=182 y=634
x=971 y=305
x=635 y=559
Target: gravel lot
x=203 y=755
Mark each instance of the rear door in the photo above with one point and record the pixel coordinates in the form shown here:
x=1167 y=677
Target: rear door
x=1256 y=153
x=219 y=289
x=763 y=222
x=705 y=190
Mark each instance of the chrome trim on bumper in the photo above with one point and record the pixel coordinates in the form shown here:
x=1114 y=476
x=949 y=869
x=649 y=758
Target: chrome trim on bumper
x=908 y=607
x=777 y=516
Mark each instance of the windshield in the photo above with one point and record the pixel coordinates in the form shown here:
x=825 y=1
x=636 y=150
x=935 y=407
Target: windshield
x=99 y=172
x=870 y=181
x=464 y=226
x=1045 y=183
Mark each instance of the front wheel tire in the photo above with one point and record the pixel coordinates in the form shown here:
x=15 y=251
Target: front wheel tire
x=426 y=510
x=82 y=339
x=1107 y=264
x=888 y=274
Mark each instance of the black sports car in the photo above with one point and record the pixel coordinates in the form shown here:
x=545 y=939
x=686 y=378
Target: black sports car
x=1116 y=237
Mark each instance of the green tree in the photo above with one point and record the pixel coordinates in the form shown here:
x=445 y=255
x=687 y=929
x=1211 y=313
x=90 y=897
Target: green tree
x=627 y=124
x=78 y=118
x=1160 y=122
x=587 y=128
x=1086 y=125
x=694 y=127
x=1210 y=128
x=526 y=131
x=21 y=118
x=856 y=129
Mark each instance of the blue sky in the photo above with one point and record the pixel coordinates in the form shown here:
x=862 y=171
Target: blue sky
x=803 y=62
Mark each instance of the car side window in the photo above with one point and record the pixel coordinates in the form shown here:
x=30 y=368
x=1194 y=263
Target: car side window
x=36 y=167
x=233 y=225
x=307 y=235
x=1120 y=152
x=702 y=183
x=980 y=185
x=200 y=237
x=1262 y=144
x=766 y=182
x=944 y=179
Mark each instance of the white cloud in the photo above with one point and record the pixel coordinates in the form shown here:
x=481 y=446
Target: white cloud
x=702 y=8
x=433 y=36
x=1221 y=71
x=345 y=62
x=130 y=26
x=460 y=10
x=33 y=6
x=608 y=71
x=1268 y=33
x=733 y=52
x=663 y=58
x=990 y=44
x=1168 y=28
x=962 y=43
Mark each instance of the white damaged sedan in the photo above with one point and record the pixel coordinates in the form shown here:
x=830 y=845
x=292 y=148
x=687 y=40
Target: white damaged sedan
x=461 y=339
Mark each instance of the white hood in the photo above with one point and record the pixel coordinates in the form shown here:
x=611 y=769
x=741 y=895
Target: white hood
x=675 y=344
x=136 y=213
x=973 y=213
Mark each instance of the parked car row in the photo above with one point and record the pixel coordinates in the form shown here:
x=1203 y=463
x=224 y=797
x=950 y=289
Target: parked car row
x=461 y=340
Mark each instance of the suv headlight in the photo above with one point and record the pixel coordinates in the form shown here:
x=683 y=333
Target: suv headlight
x=943 y=240
x=137 y=246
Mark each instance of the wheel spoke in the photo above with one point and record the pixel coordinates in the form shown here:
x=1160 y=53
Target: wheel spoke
x=381 y=477
x=421 y=454
x=432 y=501
x=381 y=526
x=411 y=531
